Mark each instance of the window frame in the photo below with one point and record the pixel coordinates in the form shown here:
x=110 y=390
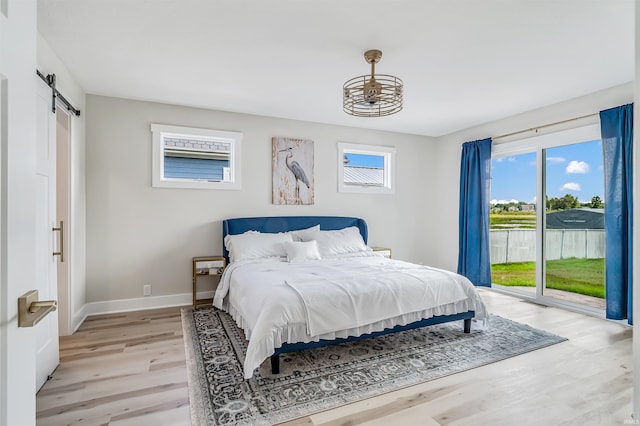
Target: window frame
x=161 y=131
x=389 y=156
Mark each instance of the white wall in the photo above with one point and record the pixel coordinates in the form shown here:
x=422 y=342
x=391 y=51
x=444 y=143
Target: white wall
x=49 y=63
x=140 y=235
x=448 y=151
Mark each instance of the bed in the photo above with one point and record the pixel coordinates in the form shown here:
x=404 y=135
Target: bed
x=300 y=282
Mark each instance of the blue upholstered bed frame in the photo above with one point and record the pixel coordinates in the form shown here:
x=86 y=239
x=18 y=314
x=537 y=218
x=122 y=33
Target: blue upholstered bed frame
x=273 y=224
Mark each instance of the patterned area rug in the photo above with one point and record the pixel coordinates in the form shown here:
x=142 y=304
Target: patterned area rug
x=319 y=379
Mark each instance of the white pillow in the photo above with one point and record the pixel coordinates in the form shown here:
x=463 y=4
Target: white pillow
x=347 y=240
x=305 y=234
x=300 y=251
x=256 y=245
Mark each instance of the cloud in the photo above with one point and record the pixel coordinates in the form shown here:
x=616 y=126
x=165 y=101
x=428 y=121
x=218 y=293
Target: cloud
x=578 y=167
x=494 y=202
x=556 y=160
x=571 y=186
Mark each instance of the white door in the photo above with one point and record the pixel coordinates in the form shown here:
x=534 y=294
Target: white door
x=47 y=240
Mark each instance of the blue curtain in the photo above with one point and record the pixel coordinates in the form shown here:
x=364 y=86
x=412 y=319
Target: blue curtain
x=616 y=125
x=473 y=239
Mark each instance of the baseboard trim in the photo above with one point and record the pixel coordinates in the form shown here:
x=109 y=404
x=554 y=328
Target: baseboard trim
x=138 y=304
x=78 y=318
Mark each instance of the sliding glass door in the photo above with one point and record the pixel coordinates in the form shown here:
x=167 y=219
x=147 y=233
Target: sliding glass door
x=547 y=217
x=574 y=223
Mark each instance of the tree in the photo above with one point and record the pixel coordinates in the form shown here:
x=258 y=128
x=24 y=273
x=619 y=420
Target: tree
x=567 y=202
x=596 y=202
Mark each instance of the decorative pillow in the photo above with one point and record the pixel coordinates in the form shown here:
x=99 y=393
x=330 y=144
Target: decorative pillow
x=300 y=251
x=347 y=240
x=256 y=245
x=305 y=234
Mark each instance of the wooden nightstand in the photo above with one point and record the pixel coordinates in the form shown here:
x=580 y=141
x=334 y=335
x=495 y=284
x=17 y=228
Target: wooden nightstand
x=386 y=252
x=206 y=266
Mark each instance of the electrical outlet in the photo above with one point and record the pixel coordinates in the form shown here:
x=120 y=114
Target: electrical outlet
x=147 y=289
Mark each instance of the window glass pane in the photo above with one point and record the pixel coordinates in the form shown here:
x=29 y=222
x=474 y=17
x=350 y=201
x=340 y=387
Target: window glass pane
x=195 y=159
x=366 y=168
x=363 y=169
x=574 y=230
x=513 y=222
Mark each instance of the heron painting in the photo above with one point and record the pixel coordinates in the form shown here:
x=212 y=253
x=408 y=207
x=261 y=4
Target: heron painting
x=292 y=171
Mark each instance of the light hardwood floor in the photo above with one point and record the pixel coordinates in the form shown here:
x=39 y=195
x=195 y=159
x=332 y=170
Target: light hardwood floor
x=129 y=369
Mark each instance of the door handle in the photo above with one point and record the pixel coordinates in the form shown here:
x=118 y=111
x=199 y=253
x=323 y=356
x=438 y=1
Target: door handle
x=31 y=310
x=61 y=252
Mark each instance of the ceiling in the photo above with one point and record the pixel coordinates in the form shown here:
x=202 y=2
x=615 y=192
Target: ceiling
x=463 y=62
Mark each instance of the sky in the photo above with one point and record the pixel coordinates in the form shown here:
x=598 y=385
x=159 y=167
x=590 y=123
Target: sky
x=571 y=169
x=376 y=161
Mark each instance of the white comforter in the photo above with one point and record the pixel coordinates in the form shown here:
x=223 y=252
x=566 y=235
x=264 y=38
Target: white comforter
x=277 y=302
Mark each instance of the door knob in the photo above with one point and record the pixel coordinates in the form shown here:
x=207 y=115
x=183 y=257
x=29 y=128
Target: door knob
x=31 y=310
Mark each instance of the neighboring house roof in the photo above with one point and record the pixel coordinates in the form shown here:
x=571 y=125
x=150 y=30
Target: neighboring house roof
x=576 y=219
x=363 y=175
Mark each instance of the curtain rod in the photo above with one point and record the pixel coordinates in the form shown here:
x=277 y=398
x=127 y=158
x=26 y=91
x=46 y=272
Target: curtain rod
x=51 y=82
x=532 y=129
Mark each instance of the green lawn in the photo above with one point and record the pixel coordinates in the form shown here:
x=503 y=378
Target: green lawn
x=584 y=276
x=522 y=220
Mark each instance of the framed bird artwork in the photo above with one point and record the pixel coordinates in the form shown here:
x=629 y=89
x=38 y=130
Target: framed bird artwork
x=292 y=170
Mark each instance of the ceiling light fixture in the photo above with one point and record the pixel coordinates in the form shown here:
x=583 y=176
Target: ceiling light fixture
x=372 y=95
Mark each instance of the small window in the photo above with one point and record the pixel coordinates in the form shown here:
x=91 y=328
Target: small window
x=187 y=157
x=365 y=168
